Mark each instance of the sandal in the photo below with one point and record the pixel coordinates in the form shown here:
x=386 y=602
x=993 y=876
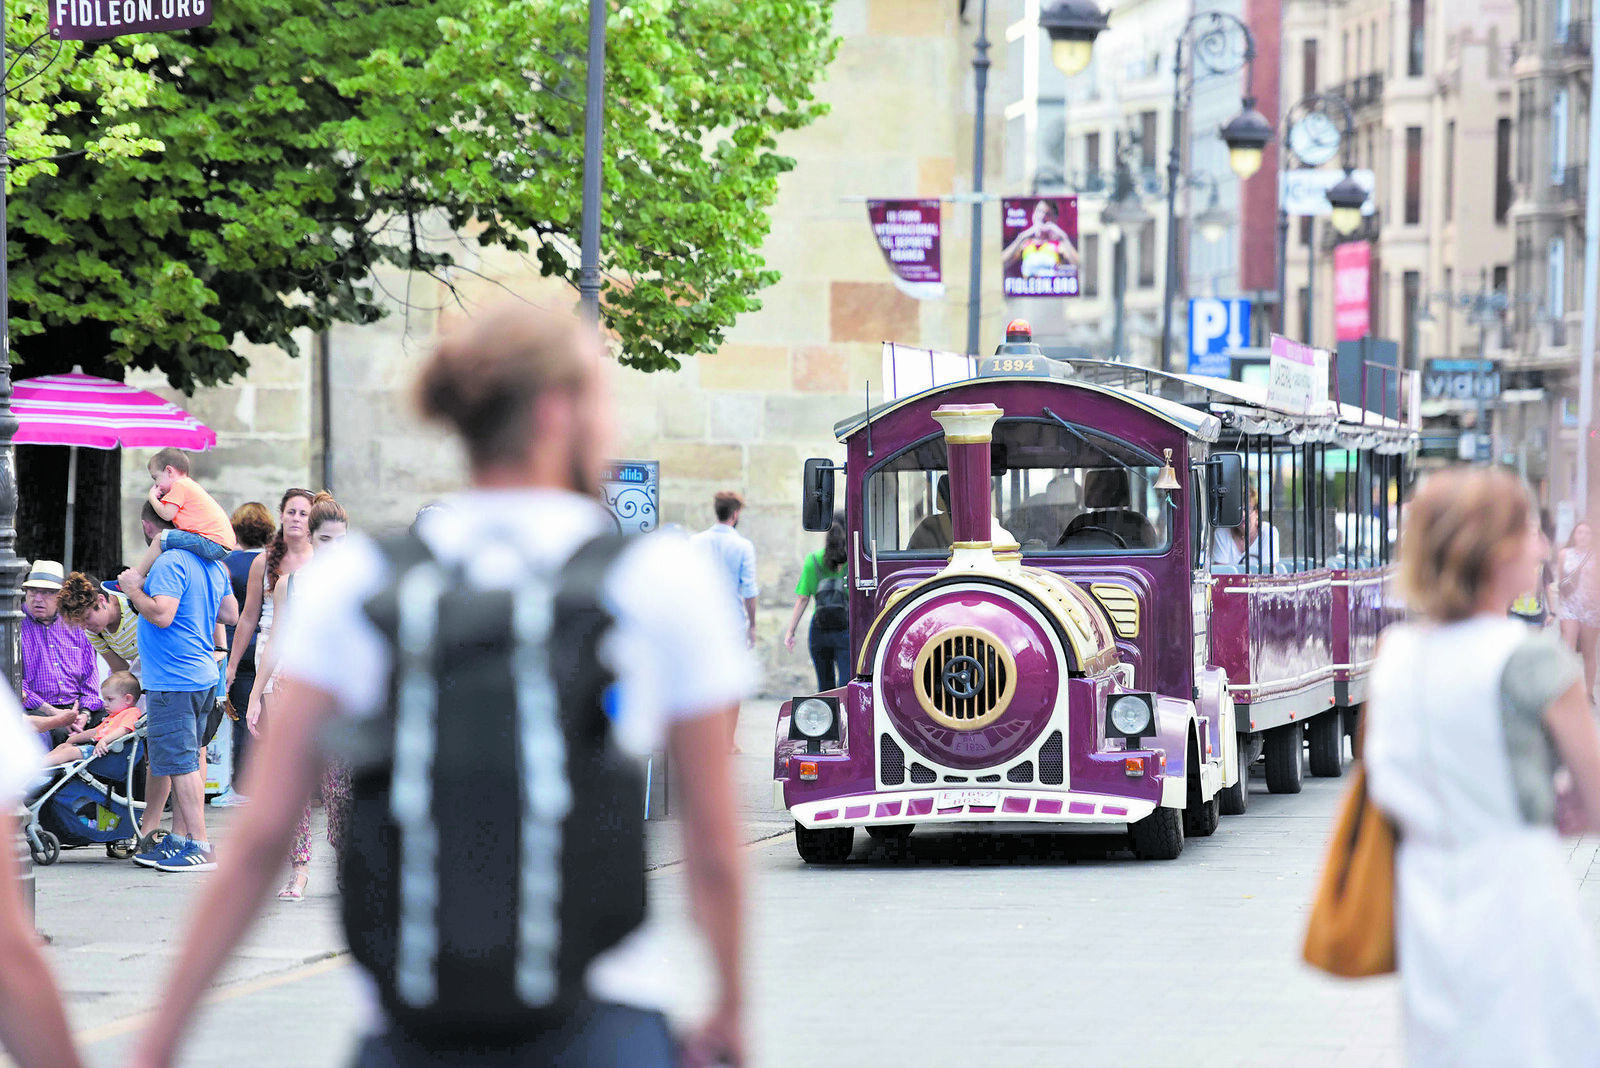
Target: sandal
x=295 y=888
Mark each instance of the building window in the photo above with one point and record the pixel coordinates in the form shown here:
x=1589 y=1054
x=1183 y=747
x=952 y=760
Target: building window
x=1502 y=170
x=1305 y=231
x=1411 y=293
x=1091 y=161
x=1147 y=256
x=1502 y=284
x=1373 y=36
x=1308 y=66
x=1447 y=309
x=1345 y=55
x=1303 y=299
x=1413 y=175
x=1416 y=41
x=1555 y=284
x=1563 y=21
x=1525 y=117
x=1147 y=139
x=1089 y=262
x=1352 y=72
x=1450 y=170
x=1558 y=136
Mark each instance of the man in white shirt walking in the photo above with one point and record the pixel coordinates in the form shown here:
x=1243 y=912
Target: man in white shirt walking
x=737 y=556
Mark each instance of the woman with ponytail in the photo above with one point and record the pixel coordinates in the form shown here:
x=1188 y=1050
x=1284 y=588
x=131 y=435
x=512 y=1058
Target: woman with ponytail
x=326 y=524
x=289 y=550
x=823 y=577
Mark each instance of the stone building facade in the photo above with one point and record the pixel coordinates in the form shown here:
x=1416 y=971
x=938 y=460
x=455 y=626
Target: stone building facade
x=744 y=418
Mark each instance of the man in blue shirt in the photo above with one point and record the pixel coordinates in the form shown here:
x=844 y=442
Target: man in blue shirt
x=734 y=553
x=179 y=603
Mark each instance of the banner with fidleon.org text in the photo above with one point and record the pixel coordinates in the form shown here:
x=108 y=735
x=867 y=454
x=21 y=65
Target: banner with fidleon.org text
x=97 y=20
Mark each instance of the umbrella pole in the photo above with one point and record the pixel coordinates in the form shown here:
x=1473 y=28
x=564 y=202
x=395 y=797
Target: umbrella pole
x=72 y=506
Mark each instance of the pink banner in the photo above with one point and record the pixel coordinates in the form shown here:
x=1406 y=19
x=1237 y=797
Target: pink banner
x=1352 y=274
x=908 y=233
x=1041 y=246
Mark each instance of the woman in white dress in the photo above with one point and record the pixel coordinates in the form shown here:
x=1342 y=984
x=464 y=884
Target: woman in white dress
x=1470 y=717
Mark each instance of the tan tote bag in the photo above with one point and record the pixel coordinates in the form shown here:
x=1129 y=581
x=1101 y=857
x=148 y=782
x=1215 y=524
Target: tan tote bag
x=1351 y=932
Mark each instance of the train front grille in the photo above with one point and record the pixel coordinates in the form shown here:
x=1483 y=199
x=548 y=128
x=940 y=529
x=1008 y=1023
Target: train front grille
x=965 y=678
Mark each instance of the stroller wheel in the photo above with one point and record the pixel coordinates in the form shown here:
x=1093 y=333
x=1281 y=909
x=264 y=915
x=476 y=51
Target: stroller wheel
x=48 y=851
x=121 y=850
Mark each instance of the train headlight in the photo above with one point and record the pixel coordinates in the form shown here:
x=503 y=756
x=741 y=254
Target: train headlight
x=1130 y=715
x=813 y=720
x=813 y=717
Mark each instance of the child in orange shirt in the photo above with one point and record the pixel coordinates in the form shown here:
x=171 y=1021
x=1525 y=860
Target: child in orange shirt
x=121 y=693
x=201 y=526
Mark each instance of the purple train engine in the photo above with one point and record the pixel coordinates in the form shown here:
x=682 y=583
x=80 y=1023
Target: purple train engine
x=1026 y=618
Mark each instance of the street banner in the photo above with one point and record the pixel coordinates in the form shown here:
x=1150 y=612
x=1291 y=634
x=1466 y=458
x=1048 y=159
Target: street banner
x=908 y=233
x=1352 y=271
x=1305 y=192
x=1040 y=236
x=1292 y=375
x=97 y=20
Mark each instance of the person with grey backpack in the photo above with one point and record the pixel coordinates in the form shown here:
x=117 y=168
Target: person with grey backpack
x=824 y=579
x=494 y=678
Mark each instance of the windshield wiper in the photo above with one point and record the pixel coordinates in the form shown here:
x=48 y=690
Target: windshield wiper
x=1081 y=436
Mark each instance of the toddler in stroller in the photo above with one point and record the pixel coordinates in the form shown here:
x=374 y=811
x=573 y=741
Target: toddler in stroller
x=80 y=804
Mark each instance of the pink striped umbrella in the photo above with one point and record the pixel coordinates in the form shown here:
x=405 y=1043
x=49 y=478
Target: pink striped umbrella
x=83 y=411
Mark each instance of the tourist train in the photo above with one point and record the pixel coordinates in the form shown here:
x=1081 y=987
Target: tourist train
x=1043 y=628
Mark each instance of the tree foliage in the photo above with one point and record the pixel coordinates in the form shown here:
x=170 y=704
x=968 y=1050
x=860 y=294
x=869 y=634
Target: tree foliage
x=309 y=144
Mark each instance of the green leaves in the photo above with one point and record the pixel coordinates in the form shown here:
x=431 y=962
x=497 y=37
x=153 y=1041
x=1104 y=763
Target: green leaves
x=247 y=179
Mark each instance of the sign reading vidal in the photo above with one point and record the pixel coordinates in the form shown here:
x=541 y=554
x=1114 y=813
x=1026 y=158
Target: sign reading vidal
x=908 y=233
x=1041 y=246
x=95 y=20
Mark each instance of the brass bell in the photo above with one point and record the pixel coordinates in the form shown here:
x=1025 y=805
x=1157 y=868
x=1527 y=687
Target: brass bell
x=1168 y=479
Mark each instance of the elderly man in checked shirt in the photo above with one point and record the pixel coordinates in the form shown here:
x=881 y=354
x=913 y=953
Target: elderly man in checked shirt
x=60 y=675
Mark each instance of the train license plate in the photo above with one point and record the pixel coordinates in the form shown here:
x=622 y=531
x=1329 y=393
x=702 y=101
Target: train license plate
x=958 y=798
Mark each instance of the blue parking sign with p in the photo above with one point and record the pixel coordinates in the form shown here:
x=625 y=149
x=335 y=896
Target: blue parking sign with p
x=1217 y=326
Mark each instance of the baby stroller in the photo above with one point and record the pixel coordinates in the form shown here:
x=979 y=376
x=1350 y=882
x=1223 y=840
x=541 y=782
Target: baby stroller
x=88 y=801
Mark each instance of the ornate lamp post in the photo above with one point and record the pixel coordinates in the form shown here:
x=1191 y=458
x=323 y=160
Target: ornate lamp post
x=594 y=108
x=1072 y=25
x=1122 y=213
x=1317 y=128
x=1219 y=44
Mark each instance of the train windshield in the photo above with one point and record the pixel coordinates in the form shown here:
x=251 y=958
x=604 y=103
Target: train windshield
x=1054 y=490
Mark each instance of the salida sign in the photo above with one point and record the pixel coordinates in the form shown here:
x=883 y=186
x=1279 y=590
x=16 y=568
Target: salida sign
x=94 y=20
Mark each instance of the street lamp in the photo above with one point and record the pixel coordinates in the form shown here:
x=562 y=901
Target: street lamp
x=1346 y=196
x=1072 y=25
x=1213 y=222
x=1220 y=44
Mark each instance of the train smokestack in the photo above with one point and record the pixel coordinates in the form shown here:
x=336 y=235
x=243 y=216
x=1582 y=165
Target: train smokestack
x=968 y=432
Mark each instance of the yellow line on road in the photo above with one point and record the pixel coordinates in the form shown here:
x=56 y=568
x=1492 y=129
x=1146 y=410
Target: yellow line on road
x=231 y=992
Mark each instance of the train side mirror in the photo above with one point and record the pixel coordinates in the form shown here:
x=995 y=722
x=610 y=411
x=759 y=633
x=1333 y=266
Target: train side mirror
x=816 y=496
x=1225 y=471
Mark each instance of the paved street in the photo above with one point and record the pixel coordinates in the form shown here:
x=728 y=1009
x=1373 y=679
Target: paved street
x=967 y=950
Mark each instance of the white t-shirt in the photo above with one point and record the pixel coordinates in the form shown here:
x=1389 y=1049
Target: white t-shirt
x=674 y=649
x=21 y=751
x=1263 y=552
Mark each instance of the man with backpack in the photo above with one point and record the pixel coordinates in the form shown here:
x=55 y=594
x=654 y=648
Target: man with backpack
x=493 y=679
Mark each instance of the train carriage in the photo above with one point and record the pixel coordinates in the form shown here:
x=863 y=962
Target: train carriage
x=1038 y=630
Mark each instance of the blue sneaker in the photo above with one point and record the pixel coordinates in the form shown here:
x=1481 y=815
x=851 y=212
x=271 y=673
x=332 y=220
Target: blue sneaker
x=190 y=858
x=151 y=857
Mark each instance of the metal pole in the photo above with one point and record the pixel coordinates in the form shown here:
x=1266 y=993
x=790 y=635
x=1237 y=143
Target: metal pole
x=1591 y=280
x=1283 y=252
x=325 y=408
x=1481 y=432
x=593 y=135
x=1119 y=293
x=1311 y=280
x=1170 y=290
x=72 y=508
x=980 y=73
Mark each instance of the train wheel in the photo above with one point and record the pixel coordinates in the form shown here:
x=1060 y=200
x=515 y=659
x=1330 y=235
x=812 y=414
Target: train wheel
x=830 y=846
x=1285 y=751
x=1200 y=817
x=1159 y=836
x=1326 y=735
x=1236 y=798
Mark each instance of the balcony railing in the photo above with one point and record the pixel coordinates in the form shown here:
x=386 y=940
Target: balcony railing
x=1364 y=91
x=1572 y=181
x=1574 y=43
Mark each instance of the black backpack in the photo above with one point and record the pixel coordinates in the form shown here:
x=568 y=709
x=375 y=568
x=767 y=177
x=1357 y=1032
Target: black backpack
x=495 y=839
x=832 y=611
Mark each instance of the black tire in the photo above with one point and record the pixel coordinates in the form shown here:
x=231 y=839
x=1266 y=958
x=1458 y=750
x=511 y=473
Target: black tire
x=48 y=851
x=1200 y=817
x=121 y=850
x=829 y=846
x=1159 y=836
x=1235 y=799
x=890 y=833
x=1326 y=735
x=1285 y=752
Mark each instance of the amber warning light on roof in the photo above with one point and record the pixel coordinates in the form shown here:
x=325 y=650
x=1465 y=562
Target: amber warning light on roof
x=1018 y=330
x=95 y=20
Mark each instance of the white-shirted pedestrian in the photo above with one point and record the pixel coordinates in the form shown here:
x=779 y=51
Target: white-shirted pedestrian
x=33 y=1027
x=525 y=391
x=735 y=554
